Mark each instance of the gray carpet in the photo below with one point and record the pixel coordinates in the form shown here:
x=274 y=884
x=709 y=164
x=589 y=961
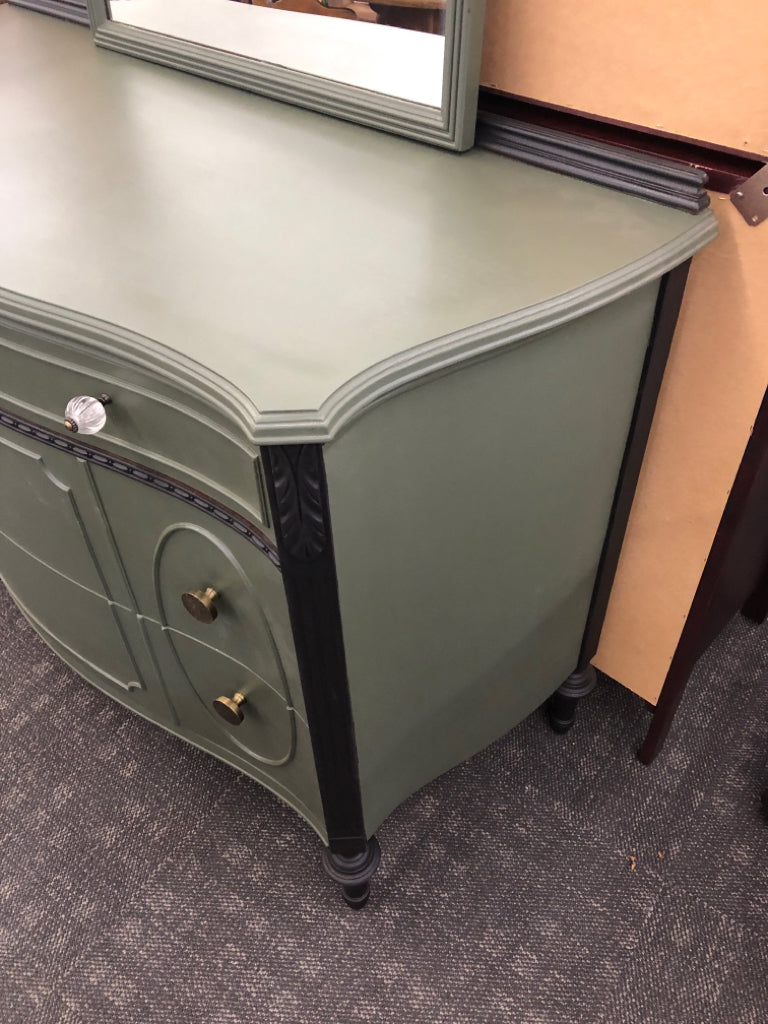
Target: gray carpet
x=141 y=881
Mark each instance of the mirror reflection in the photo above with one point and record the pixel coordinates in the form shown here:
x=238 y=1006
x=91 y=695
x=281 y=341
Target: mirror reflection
x=396 y=47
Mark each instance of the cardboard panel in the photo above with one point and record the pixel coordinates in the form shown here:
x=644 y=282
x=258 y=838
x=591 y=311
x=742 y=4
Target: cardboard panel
x=693 y=69
x=715 y=381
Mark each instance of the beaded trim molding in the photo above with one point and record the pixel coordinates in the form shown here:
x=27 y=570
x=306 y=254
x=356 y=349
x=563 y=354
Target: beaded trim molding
x=149 y=477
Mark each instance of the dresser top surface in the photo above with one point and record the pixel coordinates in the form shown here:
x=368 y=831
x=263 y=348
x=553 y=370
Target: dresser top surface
x=288 y=253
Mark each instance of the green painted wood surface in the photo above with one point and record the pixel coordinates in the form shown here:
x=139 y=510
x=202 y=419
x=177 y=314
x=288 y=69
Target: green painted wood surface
x=196 y=675
x=308 y=264
x=469 y=516
x=98 y=564
x=164 y=548
x=152 y=418
x=84 y=629
x=466 y=333
x=451 y=125
x=42 y=513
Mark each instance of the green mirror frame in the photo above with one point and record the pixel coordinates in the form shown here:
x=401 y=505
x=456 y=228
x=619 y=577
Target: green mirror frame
x=451 y=126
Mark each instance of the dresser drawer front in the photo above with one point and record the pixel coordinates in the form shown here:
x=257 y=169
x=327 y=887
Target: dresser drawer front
x=98 y=639
x=42 y=509
x=271 y=744
x=143 y=425
x=197 y=676
x=167 y=549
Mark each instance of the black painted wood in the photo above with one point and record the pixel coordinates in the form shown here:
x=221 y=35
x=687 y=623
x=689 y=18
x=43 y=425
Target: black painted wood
x=670 y=297
x=562 y=706
x=565 y=700
x=354 y=873
x=726 y=168
x=756 y=605
x=298 y=496
x=143 y=475
x=670 y=182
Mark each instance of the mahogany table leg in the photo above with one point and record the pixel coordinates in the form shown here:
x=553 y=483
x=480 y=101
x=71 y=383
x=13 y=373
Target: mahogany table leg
x=664 y=712
x=756 y=605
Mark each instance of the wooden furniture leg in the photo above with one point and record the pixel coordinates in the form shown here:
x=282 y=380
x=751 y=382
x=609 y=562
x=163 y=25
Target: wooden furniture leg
x=565 y=700
x=756 y=605
x=561 y=707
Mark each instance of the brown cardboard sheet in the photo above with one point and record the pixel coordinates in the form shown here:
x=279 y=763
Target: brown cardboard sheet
x=716 y=378
x=699 y=70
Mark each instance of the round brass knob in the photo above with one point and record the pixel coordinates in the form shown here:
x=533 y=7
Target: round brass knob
x=229 y=708
x=200 y=604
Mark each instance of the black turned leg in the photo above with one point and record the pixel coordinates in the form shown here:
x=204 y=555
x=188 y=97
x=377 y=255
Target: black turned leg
x=354 y=873
x=564 y=701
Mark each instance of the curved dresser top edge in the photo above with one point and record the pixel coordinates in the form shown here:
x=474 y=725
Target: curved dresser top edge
x=377 y=382
x=83 y=332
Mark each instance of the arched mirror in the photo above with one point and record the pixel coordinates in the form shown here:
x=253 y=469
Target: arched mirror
x=405 y=66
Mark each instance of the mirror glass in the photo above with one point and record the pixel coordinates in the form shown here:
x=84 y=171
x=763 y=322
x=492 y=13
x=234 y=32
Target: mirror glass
x=409 y=66
x=392 y=48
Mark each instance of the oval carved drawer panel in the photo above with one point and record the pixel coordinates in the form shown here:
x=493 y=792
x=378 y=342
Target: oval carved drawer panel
x=272 y=742
x=166 y=549
x=187 y=552
x=267 y=732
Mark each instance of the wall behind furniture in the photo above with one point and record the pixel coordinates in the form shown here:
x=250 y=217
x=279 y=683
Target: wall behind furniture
x=699 y=70
x=715 y=381
x=689 y=67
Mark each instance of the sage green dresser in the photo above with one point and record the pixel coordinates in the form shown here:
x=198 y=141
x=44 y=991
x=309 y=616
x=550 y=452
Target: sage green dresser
x=370 y=419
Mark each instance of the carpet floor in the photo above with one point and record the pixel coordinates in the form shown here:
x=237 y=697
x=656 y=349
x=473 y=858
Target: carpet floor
x=549 y=880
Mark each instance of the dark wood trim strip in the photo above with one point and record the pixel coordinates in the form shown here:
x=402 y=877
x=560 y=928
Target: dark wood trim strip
x=670 y=297
x=298 y=496
x=755 y=606
x=725 y=168
x=148 y=477
x=650 y=177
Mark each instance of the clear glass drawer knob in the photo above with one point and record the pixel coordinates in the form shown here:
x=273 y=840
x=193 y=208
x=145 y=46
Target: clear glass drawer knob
x=86 y=415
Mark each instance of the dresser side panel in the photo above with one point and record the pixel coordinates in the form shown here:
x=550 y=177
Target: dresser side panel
x=468 y=519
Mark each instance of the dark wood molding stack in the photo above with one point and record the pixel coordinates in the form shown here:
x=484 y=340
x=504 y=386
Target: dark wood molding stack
x=671 y=182
x=725 y=168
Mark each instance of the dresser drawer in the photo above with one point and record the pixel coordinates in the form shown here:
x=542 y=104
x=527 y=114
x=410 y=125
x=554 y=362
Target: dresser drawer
x=215 y=696
x=99 y=639
x=145 y=423
x=172 y=556
x=269 y=742
x=44 y=505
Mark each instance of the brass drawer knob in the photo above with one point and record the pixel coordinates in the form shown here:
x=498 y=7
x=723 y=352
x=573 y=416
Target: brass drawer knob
x=230 y=708
x=86 y=415
x=201 y=604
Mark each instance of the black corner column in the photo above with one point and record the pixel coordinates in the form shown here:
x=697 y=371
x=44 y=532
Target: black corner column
x=562 y=705
x=298 y=496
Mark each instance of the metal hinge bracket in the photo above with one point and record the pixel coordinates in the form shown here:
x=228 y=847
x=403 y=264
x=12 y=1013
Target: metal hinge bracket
x=751 y=198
